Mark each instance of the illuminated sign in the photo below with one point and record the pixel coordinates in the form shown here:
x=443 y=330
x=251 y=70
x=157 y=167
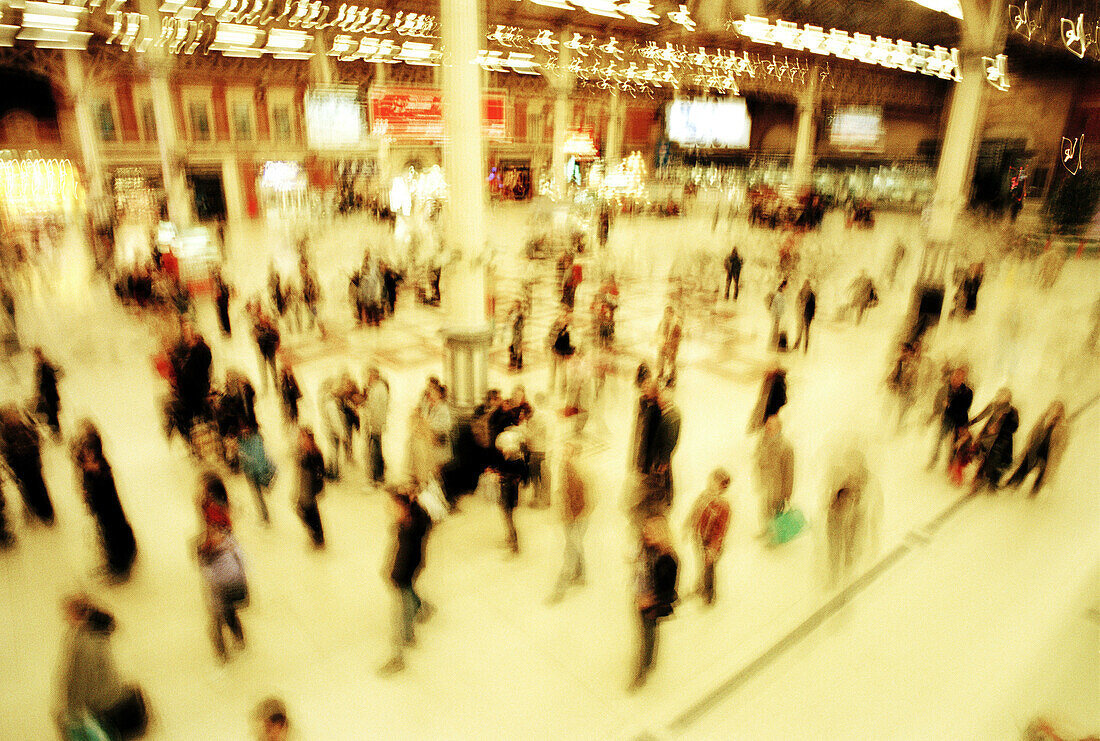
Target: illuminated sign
x=580 y=144
x=334 y=117
x=996 y=73
x=936 y=61
x=417 y=113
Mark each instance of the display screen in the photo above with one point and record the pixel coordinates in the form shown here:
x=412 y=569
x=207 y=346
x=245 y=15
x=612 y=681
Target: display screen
x=856 y=127
x=335 y=117
x=710 y=124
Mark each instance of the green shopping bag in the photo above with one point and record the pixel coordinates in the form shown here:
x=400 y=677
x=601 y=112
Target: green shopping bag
x=787 y=525
x=85 y=729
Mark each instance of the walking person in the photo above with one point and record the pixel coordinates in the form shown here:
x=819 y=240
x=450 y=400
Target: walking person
x=851 y=521
x=773 y=397
x=1045 y=445
x=100 y=494
x=807 y=307
x=311 y=483
x=708 y=523
x=512 y=470
x=266 y=333
x=953 y=409
x=46 y=376
x=20 y=445
x=994 y=443
x=376 y=409
x=656 y=595
x=95 y=703
x=863 y=295
x=535 y=437
x=561 y=350
x=412 y=525
x=222 y=295
x=574 y=514
x=733 y=273
x=289 y=392
x=256 y=466
x=775 y=473
x=777 y=307
x=515 y=347
x=226 y=584
x=670 y=333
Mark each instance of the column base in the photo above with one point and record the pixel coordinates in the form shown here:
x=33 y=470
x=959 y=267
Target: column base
x=466 y=360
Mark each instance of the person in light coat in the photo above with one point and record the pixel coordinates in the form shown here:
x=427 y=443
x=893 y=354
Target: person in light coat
x=774 y=472
x=376 y=411
x=574 y=515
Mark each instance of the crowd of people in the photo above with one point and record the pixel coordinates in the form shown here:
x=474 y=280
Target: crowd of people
x=511 y=448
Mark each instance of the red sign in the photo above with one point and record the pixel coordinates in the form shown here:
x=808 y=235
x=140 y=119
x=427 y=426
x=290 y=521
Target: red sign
x=417 y=113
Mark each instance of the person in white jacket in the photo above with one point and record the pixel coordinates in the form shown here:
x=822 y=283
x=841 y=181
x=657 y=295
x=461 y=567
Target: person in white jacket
x=376 y=411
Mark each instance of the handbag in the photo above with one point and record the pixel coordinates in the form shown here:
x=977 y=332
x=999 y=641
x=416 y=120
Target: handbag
x=786 y=525
x=85 y=729
x=235 y=594
x=128 y=718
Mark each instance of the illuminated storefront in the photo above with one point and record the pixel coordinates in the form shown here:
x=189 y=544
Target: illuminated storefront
x=36 y=189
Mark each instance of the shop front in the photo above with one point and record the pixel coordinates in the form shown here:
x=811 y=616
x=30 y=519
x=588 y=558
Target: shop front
x=37 y=198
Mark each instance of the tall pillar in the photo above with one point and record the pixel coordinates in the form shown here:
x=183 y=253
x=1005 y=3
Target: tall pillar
x=957 y=154
x=234 y=194
x=175 y=187
x=563 y=85
x=85 y=125
x=467 y=332
x=614 y=151
x=320 y=64
x=802 y=165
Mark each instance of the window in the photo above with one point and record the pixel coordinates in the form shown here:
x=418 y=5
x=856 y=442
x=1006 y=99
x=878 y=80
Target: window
x=534 y=125
x=105 y=120
x=281 y=126
x=241 y=115
x=198 y=112
x=148 y=120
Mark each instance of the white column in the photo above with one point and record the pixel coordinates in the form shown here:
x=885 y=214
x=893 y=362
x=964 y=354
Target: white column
x=802 y=165
x=320 y=64
x=463 y=286
x=614 y=151
x=957 y=154
x=86 y=128
x=563 y=86
x=179 y=202
x=231 y=184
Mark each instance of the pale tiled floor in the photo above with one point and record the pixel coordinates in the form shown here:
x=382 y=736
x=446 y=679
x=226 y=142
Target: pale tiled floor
x=495 y=661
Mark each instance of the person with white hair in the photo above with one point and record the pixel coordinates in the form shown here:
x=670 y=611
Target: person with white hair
x=512 y=469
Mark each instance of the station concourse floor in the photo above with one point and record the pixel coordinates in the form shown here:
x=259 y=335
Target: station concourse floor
x=965 y=630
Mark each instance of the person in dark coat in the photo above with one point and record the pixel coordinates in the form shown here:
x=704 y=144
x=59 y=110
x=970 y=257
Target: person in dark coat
x=656 y=595
x=311 y=483
x=222 y=294
x=666 y=437
x=191 y=361
x=21 y=448
x=773 y=397
x=953 y=408
x=412 y=527
x=994 y=442
x=807 y=307
x=101 y=496
x=733 y=273
x=290 y=392
x=267 y=337
x=647 y=419
x=1044 y=449
x=46 y=376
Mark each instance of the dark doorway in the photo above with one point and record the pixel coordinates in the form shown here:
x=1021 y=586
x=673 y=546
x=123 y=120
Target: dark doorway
x=209 y=197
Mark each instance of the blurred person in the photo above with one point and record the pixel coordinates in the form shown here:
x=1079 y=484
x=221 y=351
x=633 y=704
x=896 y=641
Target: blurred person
x=370 y=292
x=774 y=458
x=430 y=433
x=535 y=439
x=311 y=291
x=966 y=296
x=515 y=346
x=733 y=265
x=46 y=377
x=213 y=502
x=707 y=525
x=7 y=539
x=191 y=361
x=670 y=334
x=807 y=308
x=266 y=333
x=289 y=392
x=101 y=496
x=772 y=398
x=1094 y=332
x=272 y=721
x=223 y=293
x=904 y=378
x=777 y=307
x=332 y=421
x=665 y=439
x=578 y=394
x=572 y=281
x=851 y=527
x=1045 y=445
x=256 y=466
x=277 y=292
x=896 y=260
x=412 y=526
x=574 y=513
x=512 y=470
x=863 y=294
x=605 y=304
x=647 y=420
x=20 y=445
x=311 y=484
x=561 y=350
x=656 y=591
x=994 y=443
x=223 y=570
x=94 y=699
x=952 y=406
x=376 y=408
x=390 y=279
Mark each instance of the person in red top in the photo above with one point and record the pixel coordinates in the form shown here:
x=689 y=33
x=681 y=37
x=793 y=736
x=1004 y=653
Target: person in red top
x=709 y=521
